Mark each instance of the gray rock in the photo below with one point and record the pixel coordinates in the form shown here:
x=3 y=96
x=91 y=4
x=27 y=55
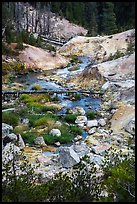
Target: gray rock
x=9 y=151
x=39 y=141
x=20 y=142
x=81 y=149
x=55 y=132
x=12 y=137
x=105 y=87
x=97 y=159
x=68 y=157
x=6 y=129
x=102 y=122
x=130 y=128
x=92 y=123
x=91 y=131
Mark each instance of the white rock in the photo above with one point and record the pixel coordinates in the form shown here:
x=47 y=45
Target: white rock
x=101 y=122
x=105 y=86
x=81 y=125
x=91 y=131
x=55 y=132
x=92 y=123
x=79 y=110
x=57 y=144
x=81 y=119
x=77 y=138
x=20 y=143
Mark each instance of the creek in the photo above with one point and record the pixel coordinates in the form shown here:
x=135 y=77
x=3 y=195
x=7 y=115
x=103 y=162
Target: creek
x=88 y=103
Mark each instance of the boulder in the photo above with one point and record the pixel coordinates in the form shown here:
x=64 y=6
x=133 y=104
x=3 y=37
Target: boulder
x=91 y=131
x=68 y=157
x=92 y=123
x=39 y=141
x=6 y=129
x=81 y=119
x=55 y=132
x=20 y=142
x=130 y=128
x=77 y=138
x=57 y=144
x=79 y=110
x=102 y=122
x=11 y=137
x=9 y=151
x=81 y=149
x=105 y=87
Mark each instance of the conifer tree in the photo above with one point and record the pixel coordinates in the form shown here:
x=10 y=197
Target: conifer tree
x=108 y=19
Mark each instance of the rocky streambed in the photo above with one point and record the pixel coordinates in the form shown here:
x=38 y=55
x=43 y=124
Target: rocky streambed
x=99 y=135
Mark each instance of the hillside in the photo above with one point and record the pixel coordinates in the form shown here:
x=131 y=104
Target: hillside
x=99 y=48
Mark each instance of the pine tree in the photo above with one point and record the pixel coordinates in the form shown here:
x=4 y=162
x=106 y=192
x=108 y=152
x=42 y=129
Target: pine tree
x=108 y=19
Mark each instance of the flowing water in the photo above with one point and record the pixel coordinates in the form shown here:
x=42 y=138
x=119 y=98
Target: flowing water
x=86 y=102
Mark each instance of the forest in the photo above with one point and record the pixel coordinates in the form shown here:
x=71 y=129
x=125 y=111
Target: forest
x=98 y=17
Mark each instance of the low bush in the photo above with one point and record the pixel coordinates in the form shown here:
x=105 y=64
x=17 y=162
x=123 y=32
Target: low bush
x=36 y=87
x=75 y=130
x=70 y=118
x=42 y=98
x=49 y=119
x=29 y=137
x=74 y=59
x=10 y=118
x=41 y=121
x=91 y=115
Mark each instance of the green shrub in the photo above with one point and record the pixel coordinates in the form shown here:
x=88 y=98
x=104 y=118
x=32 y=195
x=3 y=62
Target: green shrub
x=41 y=121
x=29 y=137
x=6 y=50
x=130 y=48
x=35 y=98
x=74 y=59
x=10 y=118
x=117 y=55
x=91 y=115
x=19 y=46
x=36 y=87
x=70 y=118
x=75 y=130
x=77 y=96
x=39 y=108
x=48 y=117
